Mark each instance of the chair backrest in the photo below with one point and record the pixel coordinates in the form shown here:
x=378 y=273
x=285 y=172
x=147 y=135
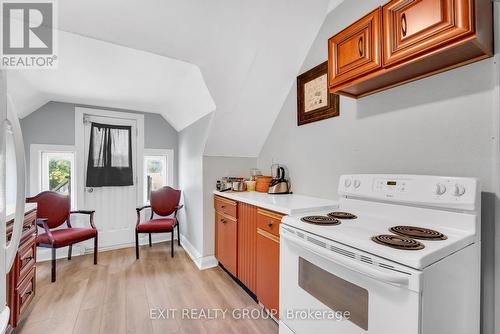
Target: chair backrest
x=52 y=206
x=165 y=200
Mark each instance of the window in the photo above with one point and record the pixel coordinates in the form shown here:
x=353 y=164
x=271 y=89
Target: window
x=53 y=169
x=110 y=156
x=158 y=170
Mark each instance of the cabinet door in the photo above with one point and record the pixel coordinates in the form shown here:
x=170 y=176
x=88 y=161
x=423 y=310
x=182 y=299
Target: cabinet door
x=356 y=50
x=268 y=270
x=412 y=27
x=247 y=241
x=226 y=234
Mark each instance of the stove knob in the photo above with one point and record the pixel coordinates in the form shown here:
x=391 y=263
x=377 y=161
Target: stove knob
x=347 y=183
x=440 y=189
x=357 y=183
x=458 y=190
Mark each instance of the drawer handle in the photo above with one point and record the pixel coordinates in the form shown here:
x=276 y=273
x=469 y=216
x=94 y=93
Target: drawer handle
x=270 y=225
x=404 y=25
x=29 y=258
x=223 y=221
x=222 y=206
x=360 y=46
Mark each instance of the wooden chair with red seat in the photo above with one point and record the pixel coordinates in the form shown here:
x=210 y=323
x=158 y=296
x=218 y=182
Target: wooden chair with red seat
x=164 y=203
x=53 y=210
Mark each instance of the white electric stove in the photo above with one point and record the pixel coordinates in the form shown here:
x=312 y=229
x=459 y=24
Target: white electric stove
x=401 y=254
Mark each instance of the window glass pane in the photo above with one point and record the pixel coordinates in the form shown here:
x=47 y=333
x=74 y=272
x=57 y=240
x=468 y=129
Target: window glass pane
x=59 y=173
x=119 y=148
x=98 y=144
x=155 y=173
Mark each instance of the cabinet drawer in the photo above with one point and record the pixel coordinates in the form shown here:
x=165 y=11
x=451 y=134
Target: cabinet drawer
x=29 y=227
x=412 y=27
x=356 y=50
x=269 y=221
x=226 y=206
x=25 y=259
x=25 y=292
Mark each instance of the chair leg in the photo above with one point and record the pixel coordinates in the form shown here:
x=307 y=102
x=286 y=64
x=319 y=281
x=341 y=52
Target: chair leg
x=53 y=271
x=178 y=235
x=150 y=243
x=172 y=244
x=70 y=248
x=96 y=251
x=136 y=245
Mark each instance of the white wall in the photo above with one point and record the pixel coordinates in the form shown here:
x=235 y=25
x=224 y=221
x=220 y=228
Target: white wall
x=446 y=124
x=496 y=170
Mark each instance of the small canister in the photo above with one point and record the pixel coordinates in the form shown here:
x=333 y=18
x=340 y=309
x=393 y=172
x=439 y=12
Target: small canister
x=250 y=185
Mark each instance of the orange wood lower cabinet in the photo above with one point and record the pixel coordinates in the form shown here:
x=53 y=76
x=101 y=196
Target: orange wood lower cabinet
x=226 y=230
x=268 y=270
x=247 y=240
x=247 y=245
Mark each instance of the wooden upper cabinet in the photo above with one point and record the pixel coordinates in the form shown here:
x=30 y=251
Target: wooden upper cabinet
x=356 y=50
x=412 y=27
x=417 y=38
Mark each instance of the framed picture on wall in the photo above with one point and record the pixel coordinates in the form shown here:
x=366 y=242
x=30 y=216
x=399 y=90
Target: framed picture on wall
x=314 y=102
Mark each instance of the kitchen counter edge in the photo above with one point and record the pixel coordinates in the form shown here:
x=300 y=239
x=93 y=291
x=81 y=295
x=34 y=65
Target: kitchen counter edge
x=288 y=204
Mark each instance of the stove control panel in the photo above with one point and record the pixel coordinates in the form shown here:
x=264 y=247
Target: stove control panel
x=437 y=191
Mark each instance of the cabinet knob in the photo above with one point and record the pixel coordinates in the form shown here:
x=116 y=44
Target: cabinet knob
x=270 y=224
x=404 y=25
x=223 y=221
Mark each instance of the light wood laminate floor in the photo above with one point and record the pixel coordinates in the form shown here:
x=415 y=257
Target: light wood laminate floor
x=116 y=296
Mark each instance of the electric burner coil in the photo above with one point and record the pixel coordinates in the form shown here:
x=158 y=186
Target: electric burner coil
x=398 y=242
x=420 y=233
x=320 y=220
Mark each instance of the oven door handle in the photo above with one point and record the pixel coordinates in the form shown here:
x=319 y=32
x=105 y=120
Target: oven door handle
x=364 y=269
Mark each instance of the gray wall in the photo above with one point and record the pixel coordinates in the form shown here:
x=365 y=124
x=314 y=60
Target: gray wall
x=213 y=169
x=54 y=123
x=192 y=142
x=445 y=125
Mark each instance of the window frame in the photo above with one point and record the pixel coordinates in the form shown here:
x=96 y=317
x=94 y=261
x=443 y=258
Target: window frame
x=169 y=155
x=36 y=167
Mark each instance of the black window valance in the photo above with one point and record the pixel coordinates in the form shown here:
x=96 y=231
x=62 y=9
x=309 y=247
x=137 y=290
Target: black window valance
x=110 y=156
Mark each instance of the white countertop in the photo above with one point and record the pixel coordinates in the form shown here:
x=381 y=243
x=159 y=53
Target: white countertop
x=289 y=204
x=10 y=210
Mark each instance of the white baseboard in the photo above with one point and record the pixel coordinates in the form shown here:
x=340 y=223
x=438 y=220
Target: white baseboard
x=202 y=262
x=45 y=254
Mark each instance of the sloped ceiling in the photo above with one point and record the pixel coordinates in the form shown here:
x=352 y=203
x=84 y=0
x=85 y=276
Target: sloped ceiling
x=248 y=52
x=103 y=74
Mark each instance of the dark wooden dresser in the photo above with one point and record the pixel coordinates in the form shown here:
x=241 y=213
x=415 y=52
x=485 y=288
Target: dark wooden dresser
x=21 y=280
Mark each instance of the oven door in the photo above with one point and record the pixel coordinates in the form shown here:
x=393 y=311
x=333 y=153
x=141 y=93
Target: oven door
x=325 y=291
